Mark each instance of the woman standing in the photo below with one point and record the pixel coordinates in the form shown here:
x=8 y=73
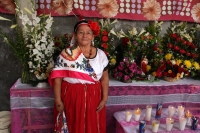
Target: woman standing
x=80 y=81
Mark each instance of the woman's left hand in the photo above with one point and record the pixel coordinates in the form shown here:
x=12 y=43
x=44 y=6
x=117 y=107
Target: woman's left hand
x=101 y=105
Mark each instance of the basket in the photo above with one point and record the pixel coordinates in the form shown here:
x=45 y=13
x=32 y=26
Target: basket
x=170 y=79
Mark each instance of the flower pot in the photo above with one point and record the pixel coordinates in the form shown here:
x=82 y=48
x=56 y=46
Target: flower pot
x=42 y=85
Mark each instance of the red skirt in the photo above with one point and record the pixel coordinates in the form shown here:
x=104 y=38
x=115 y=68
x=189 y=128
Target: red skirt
x=81 y=101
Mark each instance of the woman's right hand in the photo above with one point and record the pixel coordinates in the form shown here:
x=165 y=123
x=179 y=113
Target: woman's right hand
x=59 y=106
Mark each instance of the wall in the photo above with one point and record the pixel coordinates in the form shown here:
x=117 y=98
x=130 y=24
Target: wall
x=10 y=67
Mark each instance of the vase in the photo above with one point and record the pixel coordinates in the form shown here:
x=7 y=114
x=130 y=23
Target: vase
x=42 y=85
x=25 y=75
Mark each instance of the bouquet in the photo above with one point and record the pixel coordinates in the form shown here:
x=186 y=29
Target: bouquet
x=105 y=41
x=143 y=44
x=179 y=46
x=126 y=71
x=36 y=43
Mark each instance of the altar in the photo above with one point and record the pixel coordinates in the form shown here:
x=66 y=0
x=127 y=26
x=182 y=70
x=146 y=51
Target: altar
x=32 y=108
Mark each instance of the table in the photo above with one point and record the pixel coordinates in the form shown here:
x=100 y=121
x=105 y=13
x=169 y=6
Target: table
x=133 y=126
x=124 y=96
x=32 y=108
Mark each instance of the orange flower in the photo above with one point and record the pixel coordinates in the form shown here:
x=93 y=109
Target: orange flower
x=8 y=5
x=108 y=8
x=169 y=71
x=62 y=7
x=151 y=10
x=154 y=74
x=196 y=12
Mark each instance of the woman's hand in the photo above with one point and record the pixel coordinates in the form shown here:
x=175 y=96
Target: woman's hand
x=59 y=106
x=101 y=105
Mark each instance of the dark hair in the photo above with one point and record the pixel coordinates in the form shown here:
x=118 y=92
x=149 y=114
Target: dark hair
x=78 y=23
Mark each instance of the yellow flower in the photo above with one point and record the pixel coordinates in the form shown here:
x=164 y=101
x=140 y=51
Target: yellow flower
x=196 y=65
x=187 y=63
x=113 y=61
x=168 y=56
x=148 y=68
x=178 y=62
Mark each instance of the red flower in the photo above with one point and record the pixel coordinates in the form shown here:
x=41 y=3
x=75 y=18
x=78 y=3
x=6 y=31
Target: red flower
x=56 y=38
x=173 y=35
x=194 y=55
x=180 y=70
x=155 y=48
x=104 y=45
x=159 y=73
x=178 y=39
x=188 y=54
x=105 y=33
x=176 y=48
x=189 y=43
x=106 y=52
x=66 y=35
x=94 y=26
x=165 y=74
x=193 y=46
x=172 y=75
x=57 y=44
x=182 y=51
x=184 y=42
x=125 y=41
x=104 y=38
x=169 y=45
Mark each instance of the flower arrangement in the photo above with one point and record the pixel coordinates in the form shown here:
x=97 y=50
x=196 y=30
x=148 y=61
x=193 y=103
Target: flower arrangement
x=36 y=42
x=171 y=68
x=126 y=71
x=145 y=43
x=180 y=49
x=105 y=39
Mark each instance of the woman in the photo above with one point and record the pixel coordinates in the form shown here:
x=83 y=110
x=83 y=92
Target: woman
x=80 y=81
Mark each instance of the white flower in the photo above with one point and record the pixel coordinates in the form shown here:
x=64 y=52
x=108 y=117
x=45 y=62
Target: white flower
x=173 y=62
x=43 y=39
x=35 y=51
x=133 y=32
x=141 y=32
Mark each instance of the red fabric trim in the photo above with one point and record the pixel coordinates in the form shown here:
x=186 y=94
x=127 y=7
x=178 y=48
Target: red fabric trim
x=67 y=73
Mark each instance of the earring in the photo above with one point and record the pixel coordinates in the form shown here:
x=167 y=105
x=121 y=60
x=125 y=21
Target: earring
x=92 y=42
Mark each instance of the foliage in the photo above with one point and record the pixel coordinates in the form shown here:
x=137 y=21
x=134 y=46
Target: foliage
x=60 y=43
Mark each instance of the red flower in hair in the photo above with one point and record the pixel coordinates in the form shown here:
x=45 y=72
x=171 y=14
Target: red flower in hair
x=94 y=26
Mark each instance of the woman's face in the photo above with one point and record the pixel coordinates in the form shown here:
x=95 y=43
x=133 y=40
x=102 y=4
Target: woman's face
x=84 y=35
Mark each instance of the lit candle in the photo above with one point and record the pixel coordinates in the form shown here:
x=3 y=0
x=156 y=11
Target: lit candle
x=188 y=116
x=148 y=113
x=171 y=111
x=169 y=124
x=180 y=111
x=137 y=114
x=182 y=123
x=155 y=125
x=128 y=115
